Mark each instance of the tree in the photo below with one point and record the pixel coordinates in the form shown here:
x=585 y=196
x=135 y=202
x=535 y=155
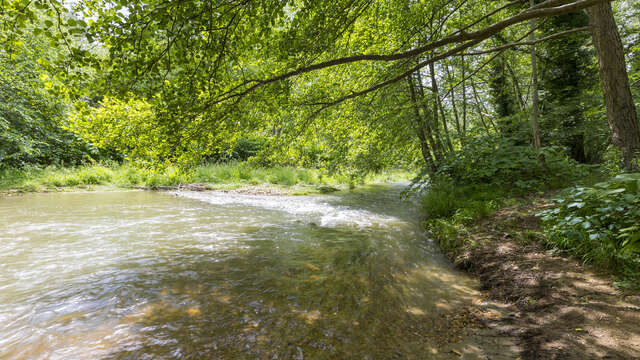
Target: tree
x=33 y=104
x=502 y=97
x=565 y=75
x=535 y=127
x=621 y=111
x=213 y=63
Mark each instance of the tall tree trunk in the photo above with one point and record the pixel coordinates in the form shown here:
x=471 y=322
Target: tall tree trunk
x=453 y=104
x=464 y=99
x=621 y=111
x=535 y=127
x=421 y=131
x=431 y=119
x=434 y=88
x=479 y=109
x=482 y=110
x=516 y=86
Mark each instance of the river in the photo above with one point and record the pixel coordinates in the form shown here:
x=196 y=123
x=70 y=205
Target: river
x=148 y=275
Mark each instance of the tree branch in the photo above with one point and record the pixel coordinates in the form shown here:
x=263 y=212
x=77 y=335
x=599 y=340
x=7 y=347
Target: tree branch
x=526 y=43
x=540 y=10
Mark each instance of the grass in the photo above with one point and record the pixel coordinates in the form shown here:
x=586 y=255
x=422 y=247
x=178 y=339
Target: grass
x=239 y=173
x=216 y=176
x=466 y=203
x=450 y=209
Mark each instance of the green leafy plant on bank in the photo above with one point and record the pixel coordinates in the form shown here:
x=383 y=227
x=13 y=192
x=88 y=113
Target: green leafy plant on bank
x=485 y=174
x=450 y=208
x=600 y=224
x=508 y=164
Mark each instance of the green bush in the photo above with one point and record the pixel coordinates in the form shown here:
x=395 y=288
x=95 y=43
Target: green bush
x=32 y=178
x=246 y=148
x=446 y=232
x=600 y=224
x=11 y=177
x=505 y=162
x=442 y=200
x=308 y=177
x=33 y=108
x=61 y=180
x=450 y=207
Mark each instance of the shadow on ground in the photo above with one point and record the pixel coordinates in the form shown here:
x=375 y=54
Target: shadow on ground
x=560 y=309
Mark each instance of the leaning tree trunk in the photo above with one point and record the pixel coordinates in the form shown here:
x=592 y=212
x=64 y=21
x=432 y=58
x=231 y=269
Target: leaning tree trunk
x=621 y=111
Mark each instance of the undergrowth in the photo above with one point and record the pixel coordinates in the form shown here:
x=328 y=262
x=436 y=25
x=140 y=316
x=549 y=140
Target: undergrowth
x=599 y=224
x=31 y=179
x=486 y=174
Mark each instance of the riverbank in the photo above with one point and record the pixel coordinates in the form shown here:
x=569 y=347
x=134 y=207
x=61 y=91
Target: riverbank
x=230 y=177
x=555 y=307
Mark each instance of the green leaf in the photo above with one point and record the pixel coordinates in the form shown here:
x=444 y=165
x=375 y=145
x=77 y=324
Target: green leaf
x=576 y=204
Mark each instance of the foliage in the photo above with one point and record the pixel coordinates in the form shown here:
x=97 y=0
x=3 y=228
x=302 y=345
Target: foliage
x=33 y=104
x=500 y=90
x=443 y=199
x=450 y=208
x=246 y=148
x=133 y=128
x=567 y=72
x=502 y=162
x=233 y=174
x=124 y=126
x=600 y=223
x=241 y=173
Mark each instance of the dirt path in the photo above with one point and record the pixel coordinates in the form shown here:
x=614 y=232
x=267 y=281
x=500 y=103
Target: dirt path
x=554 y=307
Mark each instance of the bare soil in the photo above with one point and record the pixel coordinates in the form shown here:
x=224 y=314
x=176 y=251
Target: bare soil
x=553 y=306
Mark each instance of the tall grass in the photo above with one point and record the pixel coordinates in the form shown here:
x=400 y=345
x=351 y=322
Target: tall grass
x=128 y=176
x=34 y=179
x=240 y=173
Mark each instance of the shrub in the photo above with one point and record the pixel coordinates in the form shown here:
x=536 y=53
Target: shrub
x=442 y=200
x=505 y=162
x=246 y=148
x=129 y=176
x=600 y=224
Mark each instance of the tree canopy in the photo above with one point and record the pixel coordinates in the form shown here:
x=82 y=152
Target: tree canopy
x=356 y=78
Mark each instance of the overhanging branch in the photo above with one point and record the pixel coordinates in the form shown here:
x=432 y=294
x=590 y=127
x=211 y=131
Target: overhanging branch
x=526 y=43
x=545 y=9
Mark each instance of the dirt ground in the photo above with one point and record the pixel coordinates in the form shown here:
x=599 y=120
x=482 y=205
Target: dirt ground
x=552 y=306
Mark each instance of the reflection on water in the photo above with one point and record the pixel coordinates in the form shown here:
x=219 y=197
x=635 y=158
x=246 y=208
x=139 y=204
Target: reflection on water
x=206 y=275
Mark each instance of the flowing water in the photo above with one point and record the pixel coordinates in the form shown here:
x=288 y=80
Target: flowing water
x=147 y=275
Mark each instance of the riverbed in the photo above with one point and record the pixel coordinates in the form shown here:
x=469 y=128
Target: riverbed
x=144 y=274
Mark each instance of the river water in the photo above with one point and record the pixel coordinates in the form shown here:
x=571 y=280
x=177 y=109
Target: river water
x=148 y=275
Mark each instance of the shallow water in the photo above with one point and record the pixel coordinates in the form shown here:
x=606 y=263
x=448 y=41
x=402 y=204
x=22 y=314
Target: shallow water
x=207 y=275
